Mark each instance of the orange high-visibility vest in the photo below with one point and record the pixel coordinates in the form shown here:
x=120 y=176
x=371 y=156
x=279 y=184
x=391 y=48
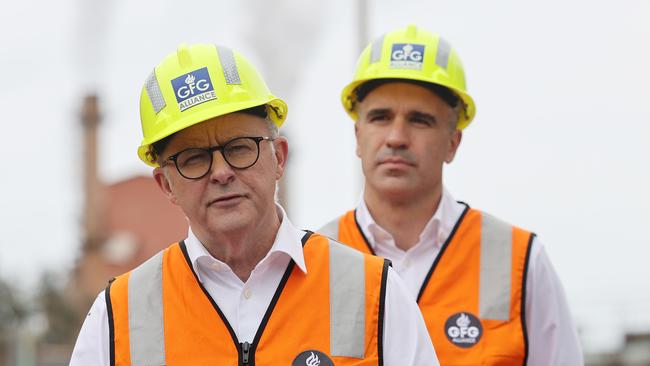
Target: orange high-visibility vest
x=160 y=314
x=473 y=297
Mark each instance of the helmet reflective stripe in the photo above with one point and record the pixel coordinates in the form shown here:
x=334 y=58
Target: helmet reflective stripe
x=444 y=50
x=229 y=66
x=375 y=54
x=154 y=93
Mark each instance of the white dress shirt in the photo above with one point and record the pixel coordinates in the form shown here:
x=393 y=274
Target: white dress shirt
x=552 y=335
x=406 y=340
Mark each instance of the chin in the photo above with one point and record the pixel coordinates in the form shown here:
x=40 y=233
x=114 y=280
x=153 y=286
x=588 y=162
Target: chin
x=395 y=184
x=230 y=222
x=396 y=190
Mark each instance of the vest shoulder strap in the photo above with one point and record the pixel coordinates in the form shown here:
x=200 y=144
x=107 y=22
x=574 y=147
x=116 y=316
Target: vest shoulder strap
x=495 y=268
x=347 y=301
x=331 y=229
x=146 y=328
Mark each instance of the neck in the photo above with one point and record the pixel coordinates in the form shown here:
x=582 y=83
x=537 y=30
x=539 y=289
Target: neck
x=403 y=218
x=243 y=249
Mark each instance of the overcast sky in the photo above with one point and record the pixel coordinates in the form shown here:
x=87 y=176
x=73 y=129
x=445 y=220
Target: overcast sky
x=559 y=144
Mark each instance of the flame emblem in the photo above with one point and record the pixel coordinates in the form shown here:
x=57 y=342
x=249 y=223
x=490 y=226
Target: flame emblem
x=189 y=79
x=463 y=320
x=407 y=49
x=312 y=360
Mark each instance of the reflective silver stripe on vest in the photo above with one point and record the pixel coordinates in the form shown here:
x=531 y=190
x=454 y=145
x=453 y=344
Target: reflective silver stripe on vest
x=331 y=229
x=496 y=266
x=154 y=93
x=442 y=56
x=146 y=328
x=347 y=301
x=375 y=51
x=228 y=64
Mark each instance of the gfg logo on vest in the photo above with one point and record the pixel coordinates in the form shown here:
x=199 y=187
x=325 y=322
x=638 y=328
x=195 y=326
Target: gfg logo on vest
x=193 y=88
x=407 y=56
x=312 y=358
x=463 y=330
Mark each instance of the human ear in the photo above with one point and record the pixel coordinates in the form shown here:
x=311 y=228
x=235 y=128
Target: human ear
x=356 y=137
x=281 y=154
x=454 y=142
x=164 y=184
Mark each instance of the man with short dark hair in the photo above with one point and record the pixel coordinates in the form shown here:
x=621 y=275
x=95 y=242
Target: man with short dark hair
x=245 y=287
x=487 y=290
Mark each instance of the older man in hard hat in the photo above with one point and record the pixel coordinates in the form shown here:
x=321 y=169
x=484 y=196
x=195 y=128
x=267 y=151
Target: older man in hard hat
x=246 y=287
x=487 y=290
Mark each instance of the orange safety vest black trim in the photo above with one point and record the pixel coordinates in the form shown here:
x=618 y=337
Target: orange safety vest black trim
x=160 y=314
x=473 y=297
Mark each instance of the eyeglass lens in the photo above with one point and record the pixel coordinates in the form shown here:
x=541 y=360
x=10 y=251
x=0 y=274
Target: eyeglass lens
x=240 y=153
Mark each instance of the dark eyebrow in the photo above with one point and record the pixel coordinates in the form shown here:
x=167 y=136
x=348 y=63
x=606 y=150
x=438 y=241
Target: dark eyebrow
x=424 y=116
x=377 y=112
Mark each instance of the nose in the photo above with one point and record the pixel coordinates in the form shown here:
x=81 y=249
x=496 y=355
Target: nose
x=398 y=135
x=221 y=172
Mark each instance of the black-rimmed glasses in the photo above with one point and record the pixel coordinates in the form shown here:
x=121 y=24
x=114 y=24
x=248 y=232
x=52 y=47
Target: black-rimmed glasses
x=239 y=153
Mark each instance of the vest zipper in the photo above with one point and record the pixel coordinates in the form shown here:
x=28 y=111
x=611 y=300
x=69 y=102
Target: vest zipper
x=245 y=349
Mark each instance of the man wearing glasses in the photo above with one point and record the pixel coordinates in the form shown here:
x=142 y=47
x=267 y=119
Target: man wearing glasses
x=487 y=290
x=245 y=287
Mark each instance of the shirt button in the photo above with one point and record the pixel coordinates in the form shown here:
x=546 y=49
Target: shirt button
x=407 y=263
x=248 y=293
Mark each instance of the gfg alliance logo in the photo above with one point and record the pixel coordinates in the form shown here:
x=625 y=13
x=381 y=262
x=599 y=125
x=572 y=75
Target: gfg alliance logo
x=193 y=89
x=312 y=358
x=463 y=330
x=407 y=56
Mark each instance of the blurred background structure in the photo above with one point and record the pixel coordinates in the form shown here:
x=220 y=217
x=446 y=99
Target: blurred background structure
x=559 y=144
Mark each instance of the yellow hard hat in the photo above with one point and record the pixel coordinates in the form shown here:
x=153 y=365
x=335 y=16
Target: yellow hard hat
x=413 y=54
x=197 y=83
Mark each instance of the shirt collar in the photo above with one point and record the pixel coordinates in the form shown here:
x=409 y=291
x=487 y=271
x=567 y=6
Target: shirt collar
x=288 y=241
x=435 y=232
